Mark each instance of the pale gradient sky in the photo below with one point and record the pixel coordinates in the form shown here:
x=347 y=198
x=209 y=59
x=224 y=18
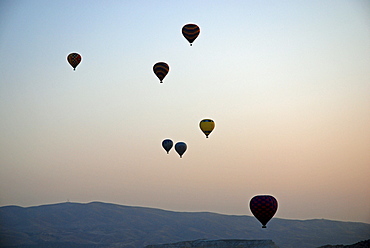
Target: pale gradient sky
x=286 y=82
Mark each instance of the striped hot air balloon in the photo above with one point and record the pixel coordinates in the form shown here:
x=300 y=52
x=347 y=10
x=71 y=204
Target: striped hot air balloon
x=263 y=207
x=190 y=32
x=161 y=69
x=74 y=59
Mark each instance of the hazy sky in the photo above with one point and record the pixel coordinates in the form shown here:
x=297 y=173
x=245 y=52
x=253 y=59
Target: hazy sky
x=286 y=82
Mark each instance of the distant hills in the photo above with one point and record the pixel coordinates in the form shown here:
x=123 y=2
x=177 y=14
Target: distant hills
x=362 y=244
x=219 y=243
x=227 y=243
x=104 y=225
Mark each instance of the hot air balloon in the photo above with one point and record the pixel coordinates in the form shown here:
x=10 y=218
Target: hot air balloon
x=161 y=69
x=180 y=148
x=263 y=207
x=74 y=59
x=167 y=145
x=207 y=125
x=190 y=32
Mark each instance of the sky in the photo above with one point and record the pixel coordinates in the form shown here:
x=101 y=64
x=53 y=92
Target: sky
x=286 y=82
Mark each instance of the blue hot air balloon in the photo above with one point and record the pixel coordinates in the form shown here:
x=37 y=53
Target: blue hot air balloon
x=167 y=145
x=180 y=148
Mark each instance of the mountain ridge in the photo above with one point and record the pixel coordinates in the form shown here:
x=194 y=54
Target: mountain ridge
x=219 y=243
x=106 y=224
x=167 y=210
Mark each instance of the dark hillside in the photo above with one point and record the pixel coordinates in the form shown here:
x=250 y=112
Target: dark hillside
x=362 y=244
x=99 y=224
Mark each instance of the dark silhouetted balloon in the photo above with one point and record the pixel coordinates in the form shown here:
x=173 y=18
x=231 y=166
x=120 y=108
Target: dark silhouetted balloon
x=180 y=148
x=263 y=207
x=167 y=145
x=207 y=126
x=74 y=59
x=161 y=69
x=190 y=32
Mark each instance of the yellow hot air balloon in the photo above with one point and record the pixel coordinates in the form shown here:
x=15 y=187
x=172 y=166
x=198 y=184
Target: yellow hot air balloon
x=207 y=126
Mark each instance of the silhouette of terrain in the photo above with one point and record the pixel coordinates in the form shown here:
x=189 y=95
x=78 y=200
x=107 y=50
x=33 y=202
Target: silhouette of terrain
x=224 y=243
x=362 y=244
x=103 y=225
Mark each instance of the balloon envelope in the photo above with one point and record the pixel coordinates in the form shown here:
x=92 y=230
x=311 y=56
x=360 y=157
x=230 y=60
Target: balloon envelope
x=207 y=126
x=167 y=144
x=161 y=69
x=180 y=148
x=74 y=59
x=263 y=207
x=190 y=32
